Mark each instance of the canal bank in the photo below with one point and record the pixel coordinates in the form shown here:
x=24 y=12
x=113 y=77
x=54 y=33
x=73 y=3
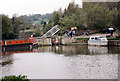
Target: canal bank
x=73 y=41
x=62 y=41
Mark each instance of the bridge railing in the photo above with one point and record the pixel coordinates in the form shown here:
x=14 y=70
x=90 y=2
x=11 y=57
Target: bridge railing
x=51 y=32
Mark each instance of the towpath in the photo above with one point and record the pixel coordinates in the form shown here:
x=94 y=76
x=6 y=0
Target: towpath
x=98 y=34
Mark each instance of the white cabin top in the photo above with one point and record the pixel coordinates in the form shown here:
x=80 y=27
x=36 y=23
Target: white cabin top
x=100 y=38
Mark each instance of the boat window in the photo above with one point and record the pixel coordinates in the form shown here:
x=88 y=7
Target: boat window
x=92 y=38
x=102 y=37
x=96 y=38
x=9 y=42
x=25 y=40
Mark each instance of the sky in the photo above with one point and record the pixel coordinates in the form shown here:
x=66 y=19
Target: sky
x=100 y=0
x=22 y=7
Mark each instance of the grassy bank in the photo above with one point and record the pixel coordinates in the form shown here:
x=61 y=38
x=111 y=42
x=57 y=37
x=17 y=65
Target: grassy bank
x=109 y=38
x=82 y=40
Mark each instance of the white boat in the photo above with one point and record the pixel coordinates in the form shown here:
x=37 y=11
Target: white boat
x=98 y=40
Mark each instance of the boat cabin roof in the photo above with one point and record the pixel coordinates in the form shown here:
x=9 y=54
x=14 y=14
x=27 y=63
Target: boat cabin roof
x=98 y=37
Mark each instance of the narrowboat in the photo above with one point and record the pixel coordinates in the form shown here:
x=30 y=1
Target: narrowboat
x=29 y=42
x=98 y=40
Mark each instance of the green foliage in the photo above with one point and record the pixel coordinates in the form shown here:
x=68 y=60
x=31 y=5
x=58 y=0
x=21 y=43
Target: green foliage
x=56 y=19
x=47 y=27
x=94 y=17
x=39 y=23
x=70 y=9
x=0 y=27
x=11 y=27
x=38 y=33
x=99 y=17
x=19 y=23
x=16 y=24
x=37 y=18
x=7 y=27
x=109 y=38
x=15 y=78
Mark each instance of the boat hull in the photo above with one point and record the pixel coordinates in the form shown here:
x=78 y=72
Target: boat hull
x=18 y=44
x=17 y=47
x=100 y=43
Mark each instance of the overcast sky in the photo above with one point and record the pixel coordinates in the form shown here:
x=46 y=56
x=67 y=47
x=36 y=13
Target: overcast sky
x=100 y=0
x=22 y=7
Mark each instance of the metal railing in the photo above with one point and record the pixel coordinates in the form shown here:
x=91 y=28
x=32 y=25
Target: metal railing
x=51 y=32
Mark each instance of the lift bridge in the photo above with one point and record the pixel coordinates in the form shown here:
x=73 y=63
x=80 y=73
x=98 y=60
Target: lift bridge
x=51 y=32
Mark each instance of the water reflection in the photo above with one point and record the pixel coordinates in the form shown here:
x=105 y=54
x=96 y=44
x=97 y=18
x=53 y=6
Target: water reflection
x=65 y=62
x=0 y=62
x=76 y=50
x=98 y=50
x=66 y=50
x=113 y=50
x=7 y=59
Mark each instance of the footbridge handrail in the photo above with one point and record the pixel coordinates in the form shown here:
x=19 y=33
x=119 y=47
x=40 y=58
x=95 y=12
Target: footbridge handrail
x=51 y=32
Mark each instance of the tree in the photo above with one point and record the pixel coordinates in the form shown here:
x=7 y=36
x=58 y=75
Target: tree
x=94 y=17
x=101 y=16
x=7 y=27
x=47 y=27
x=19 y=23
x=0 y=27
x=57 y=16
x=56 y=19
x=70 y=9
x=16 y=22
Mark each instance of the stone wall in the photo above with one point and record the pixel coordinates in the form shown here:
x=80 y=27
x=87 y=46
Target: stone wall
x=68 y=40
x=44 y=41
x=82 y=41
x=114 y=43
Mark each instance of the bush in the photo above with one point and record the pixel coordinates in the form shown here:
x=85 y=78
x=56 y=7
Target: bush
x=15 y=78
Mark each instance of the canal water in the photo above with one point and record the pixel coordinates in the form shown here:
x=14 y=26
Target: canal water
x=63 y=62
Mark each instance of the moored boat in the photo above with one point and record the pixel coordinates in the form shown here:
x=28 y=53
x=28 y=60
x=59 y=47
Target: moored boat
x=98 y=40
x=29 y=42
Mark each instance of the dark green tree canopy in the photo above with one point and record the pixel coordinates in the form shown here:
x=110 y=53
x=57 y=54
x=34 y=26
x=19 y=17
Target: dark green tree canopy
x=7 y=27
x=94 y=17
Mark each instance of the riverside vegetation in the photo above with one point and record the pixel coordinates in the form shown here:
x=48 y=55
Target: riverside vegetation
x=94 y=18
x=15 y=78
